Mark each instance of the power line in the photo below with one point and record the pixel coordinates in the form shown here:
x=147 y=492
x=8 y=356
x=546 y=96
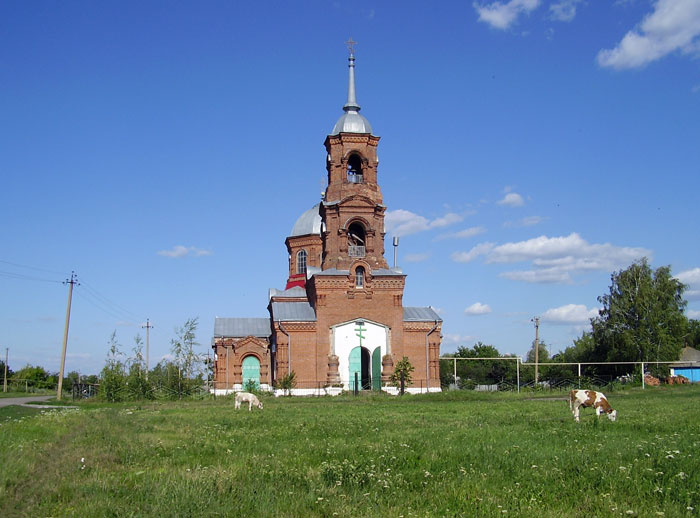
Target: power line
x=32 y=267
x=97 y=303
x=109 y=302
x=22 y=277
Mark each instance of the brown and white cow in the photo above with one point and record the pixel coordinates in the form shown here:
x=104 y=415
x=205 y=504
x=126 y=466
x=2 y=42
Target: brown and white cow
x=586 y=398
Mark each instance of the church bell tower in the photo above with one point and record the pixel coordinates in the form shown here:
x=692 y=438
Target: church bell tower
x=352 y=208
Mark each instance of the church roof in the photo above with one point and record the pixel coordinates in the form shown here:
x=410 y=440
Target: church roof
x=308 y=223
x=420 y=315
x=240 y=327
x=294 y=292
x=293 y=312
x=351 y=121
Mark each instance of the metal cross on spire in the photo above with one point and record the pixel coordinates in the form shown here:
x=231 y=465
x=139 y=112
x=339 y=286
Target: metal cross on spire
x=351 y=46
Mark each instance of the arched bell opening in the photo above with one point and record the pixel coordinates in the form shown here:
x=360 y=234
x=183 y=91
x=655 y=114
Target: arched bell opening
x=355 y=174
x=356 y=240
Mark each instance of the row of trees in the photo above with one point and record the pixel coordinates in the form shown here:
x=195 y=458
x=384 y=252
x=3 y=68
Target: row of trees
x=126 y=378
x=642 y=319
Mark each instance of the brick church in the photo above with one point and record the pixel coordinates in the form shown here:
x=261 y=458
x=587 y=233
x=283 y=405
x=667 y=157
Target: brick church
x=340 y=319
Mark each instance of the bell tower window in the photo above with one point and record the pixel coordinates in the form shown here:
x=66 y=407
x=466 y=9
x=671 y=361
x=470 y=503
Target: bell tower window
x=301 y=261
x=359 y=277
x=356 y=240
x=355 y=169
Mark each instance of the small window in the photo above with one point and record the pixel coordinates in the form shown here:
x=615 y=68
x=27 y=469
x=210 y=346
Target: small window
x=301 y=261
x=360 y=277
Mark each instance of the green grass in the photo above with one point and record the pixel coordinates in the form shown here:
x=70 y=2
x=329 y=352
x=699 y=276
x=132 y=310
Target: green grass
x=451 y=454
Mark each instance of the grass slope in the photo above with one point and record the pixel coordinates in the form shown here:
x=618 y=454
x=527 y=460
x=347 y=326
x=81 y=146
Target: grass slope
x=452 y=454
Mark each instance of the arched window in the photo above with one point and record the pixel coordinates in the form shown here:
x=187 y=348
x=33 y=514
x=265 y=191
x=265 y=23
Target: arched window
x=355 y=169
x=301 y=261
x=359 y=277
x=356 y=240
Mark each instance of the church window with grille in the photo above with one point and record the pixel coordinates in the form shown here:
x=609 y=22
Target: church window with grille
x=301 y=261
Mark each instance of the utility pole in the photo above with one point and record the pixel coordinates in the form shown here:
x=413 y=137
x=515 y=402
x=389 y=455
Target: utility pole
x=4 y=383
x=396 y=245
x=536 y=320
x=72 y=281
x=148 y=327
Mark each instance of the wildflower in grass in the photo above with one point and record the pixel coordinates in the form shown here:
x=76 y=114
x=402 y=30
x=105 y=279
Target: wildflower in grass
x=682 y=475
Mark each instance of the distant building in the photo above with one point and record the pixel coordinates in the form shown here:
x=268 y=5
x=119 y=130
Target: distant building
x=340 y=319
x=688 y=365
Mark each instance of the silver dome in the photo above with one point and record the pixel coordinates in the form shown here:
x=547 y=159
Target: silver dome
x=352 y=122
x=308 y=223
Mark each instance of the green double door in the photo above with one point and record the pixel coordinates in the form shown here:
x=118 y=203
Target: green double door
x=251 y=371
x=368 y=368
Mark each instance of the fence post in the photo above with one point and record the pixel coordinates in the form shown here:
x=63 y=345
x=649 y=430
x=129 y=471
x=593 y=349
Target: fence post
x=355 y=391
x=402 y=384
x=643 y=384
x=579 y=375
x=517 y=369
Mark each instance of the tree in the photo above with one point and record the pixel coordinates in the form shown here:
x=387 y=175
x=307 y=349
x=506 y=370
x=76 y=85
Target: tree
x=403 y=370
x=287 y=383
x=470 y=374
x=137 y=381
x=542 y=353
x=692 y=335
x=642 y=317
x=113 y=375
x=36 y=377
x=187 y=360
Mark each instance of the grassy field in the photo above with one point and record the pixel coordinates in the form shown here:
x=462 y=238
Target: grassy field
x=451 y=454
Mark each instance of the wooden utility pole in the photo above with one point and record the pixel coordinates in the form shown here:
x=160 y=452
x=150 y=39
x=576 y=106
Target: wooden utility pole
x=4 y=383
x=148 y=327
x=73 y=280
x=536 y=320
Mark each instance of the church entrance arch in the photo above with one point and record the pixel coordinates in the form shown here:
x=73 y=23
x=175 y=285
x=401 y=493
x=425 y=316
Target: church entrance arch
x=360 y=346
x=251 y=371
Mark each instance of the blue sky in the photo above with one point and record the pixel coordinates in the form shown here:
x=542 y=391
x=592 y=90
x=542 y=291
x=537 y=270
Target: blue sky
x=163 y=151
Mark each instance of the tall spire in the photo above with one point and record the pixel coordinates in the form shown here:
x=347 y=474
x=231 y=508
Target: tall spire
x=351 y=121
x=351 y=105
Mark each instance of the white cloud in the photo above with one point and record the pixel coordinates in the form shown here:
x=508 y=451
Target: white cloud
x=691 y=278
x=530 y=221
x=416 y=258
x=674 y=25
x=564 y=11
x=463 y=234
x=512 y=199
x=569 y=314
x=478 y=309
x=503 y=15
x=692 y=313
x=402 y=222
x=554 y=259
x=465 y=257
x=183 y=251
x=457 y=339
